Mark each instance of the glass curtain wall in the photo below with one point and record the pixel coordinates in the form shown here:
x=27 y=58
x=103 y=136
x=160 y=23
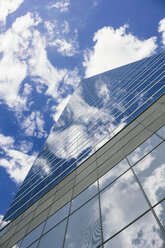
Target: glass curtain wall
x=100 y=107
x=124 y=208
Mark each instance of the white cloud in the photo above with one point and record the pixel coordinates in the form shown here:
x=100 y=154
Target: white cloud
x=66 y=48
x=7 y=7
x=25 y=146
x=27 y=89
x=16 y=163
x=14 y=47
x=6 y=141
x=60 y=36
x=161 y=29
x=114 y=48
x=62 y=5
x=24 y=54
x=50 y=27
x=33 y=125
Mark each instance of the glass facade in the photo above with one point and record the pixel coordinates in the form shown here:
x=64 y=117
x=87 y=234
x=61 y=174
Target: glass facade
x=124 y=205
x=100 y=107
x=123 y=208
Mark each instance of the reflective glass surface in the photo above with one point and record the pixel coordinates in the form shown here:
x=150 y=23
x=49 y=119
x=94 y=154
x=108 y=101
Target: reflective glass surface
x=99 y=108
x=143 y=149
x=84 y=196
x=57 y=217
x=34 y=245
x=161 y=132
x=32 y=236
x=151 y=173
x=54 y=238
x=111 y=175
x=160 y=211
x=121 y=203
x=84 y=226
x=2 y=232
x=17 y=245
x=144 y=233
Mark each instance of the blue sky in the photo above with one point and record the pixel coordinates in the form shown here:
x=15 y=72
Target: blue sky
x=46 y=48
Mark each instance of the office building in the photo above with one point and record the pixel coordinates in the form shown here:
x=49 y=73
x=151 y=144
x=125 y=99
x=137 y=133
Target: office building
x=99 y=179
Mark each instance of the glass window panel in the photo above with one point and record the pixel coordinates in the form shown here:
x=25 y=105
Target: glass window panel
x=2 y=232
x=161 y=132
x=111 y=175
x=144 y=233
x=143 y=149
x=32 y=236
x=160 y=211
x=151 y=173
x=57 y=217
x=54 y=238
x=34 y=245
x=121 y=203
x=17 y=245
x=84 y=226
x=84 y=196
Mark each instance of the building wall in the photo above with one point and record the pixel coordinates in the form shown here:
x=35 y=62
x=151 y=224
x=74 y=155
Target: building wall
x=99 y=108
x=115 y=198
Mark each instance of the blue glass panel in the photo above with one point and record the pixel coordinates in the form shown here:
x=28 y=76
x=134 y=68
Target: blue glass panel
x=54 y=237
x=32 y=236
x=84 y=196
x=56 y=218
x=161 y=132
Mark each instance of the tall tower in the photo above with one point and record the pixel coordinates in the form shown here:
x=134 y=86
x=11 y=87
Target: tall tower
x=99 y=178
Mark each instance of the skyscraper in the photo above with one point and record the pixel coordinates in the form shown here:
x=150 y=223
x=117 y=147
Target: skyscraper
x=99 y=178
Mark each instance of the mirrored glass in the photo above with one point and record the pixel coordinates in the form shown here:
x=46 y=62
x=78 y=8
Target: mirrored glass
x=2 y=232
x=17 y=245
x=121 y=203
x=105 y=104
x=111 y=175
x=54 y=238
x=34 y=245
x=56 y=218
x=161 y=132
x=160 y=211
x=144 y=233
x=84 y=226
x=32 y=236
x=84 y=196
x=143 y=149
x=151 y=173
